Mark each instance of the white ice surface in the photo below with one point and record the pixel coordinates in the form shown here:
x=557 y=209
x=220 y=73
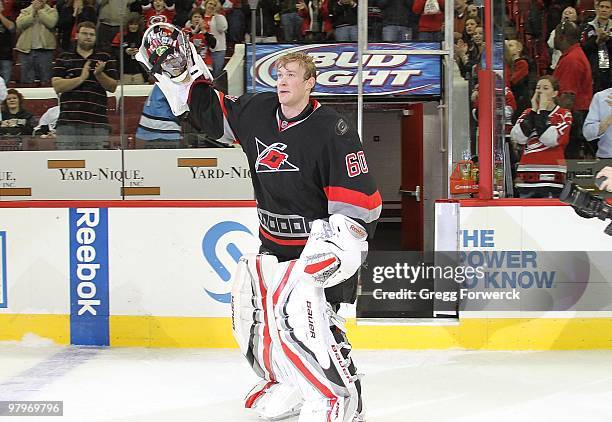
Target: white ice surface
x=103 y=384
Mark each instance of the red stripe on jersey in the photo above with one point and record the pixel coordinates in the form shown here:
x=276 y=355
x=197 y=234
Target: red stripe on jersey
x=281 y=128
x=353 y=197
x=222 y=102
x=300 y=242
x=279 y=121
x=266 y=333
x=225 y=114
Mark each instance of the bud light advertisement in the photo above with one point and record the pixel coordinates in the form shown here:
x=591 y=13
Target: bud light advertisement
x=398 y=75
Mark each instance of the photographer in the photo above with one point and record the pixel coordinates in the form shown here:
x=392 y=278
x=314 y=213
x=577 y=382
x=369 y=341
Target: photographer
x=587 y=204
x=544 y=130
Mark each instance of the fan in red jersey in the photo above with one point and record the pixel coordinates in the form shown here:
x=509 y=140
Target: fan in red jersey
x=544 y=130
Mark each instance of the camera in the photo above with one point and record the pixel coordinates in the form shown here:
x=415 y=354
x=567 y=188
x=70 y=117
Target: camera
x=586 y=205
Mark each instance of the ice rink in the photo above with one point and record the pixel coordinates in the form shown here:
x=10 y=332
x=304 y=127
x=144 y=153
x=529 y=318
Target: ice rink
x=103 y=384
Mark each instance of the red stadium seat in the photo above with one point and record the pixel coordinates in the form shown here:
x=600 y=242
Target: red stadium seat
x=586 y=15
x=10 y=144
x=542 y=58
x=38 y=107
x=584 y=5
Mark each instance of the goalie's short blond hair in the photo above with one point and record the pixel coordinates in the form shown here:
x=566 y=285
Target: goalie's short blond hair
x=305 y=61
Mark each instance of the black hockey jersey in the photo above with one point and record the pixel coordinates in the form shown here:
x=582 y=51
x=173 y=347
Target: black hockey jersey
x=303 y=169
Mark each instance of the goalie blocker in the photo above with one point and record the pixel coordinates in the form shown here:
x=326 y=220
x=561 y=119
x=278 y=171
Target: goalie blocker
x=290 y=334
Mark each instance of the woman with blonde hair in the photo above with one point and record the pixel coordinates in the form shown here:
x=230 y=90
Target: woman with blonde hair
x=216 y=24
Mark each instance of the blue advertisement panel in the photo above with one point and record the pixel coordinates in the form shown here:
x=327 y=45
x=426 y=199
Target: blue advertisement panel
x=398 y=75
x=89 y=300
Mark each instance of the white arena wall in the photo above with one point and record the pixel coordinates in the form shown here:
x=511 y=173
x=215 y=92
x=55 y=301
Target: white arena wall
x=156 y=273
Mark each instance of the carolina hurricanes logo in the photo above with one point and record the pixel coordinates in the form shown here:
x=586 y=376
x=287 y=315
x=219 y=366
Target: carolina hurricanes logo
x=272 y=158
x=157 y=19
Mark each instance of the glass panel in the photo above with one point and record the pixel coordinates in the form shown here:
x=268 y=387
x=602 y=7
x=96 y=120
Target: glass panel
x=469 y=58
x=501 y=146
x=468 y=55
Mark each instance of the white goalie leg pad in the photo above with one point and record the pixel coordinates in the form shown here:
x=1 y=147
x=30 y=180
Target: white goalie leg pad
x=253 y=326
x=334 y=251
x=248 y=323
x=317 y=364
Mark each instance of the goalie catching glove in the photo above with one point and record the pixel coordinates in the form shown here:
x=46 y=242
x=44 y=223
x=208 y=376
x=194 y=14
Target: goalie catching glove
x=167 y=53
x=334 y=251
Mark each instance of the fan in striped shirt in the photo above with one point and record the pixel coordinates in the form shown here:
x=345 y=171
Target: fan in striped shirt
x=81 y=78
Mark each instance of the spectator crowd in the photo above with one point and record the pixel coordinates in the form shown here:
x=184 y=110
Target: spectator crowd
x=74 y=46
x=558 y=99
x=33 y=33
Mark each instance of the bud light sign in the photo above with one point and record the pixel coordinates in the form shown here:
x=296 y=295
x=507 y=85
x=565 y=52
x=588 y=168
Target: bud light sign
x=398 y=74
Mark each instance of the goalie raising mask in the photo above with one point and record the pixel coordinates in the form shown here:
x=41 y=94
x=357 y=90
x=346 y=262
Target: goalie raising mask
x=317 y=202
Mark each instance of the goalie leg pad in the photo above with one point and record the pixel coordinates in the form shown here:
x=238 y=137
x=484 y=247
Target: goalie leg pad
x=249 y=324
x=320 y=363
x=294 y=341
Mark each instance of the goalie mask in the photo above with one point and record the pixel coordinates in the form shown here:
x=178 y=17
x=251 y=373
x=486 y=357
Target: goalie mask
x=166 y=50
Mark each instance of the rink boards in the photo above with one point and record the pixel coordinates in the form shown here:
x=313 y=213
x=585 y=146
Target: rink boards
x=156 y=273
x=156 y=174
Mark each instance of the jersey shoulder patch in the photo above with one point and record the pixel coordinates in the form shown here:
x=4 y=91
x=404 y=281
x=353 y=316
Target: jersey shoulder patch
x=341 y=127
x=334 y=122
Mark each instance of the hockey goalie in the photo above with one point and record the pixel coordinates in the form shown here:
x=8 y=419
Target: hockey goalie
x=317 y=203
